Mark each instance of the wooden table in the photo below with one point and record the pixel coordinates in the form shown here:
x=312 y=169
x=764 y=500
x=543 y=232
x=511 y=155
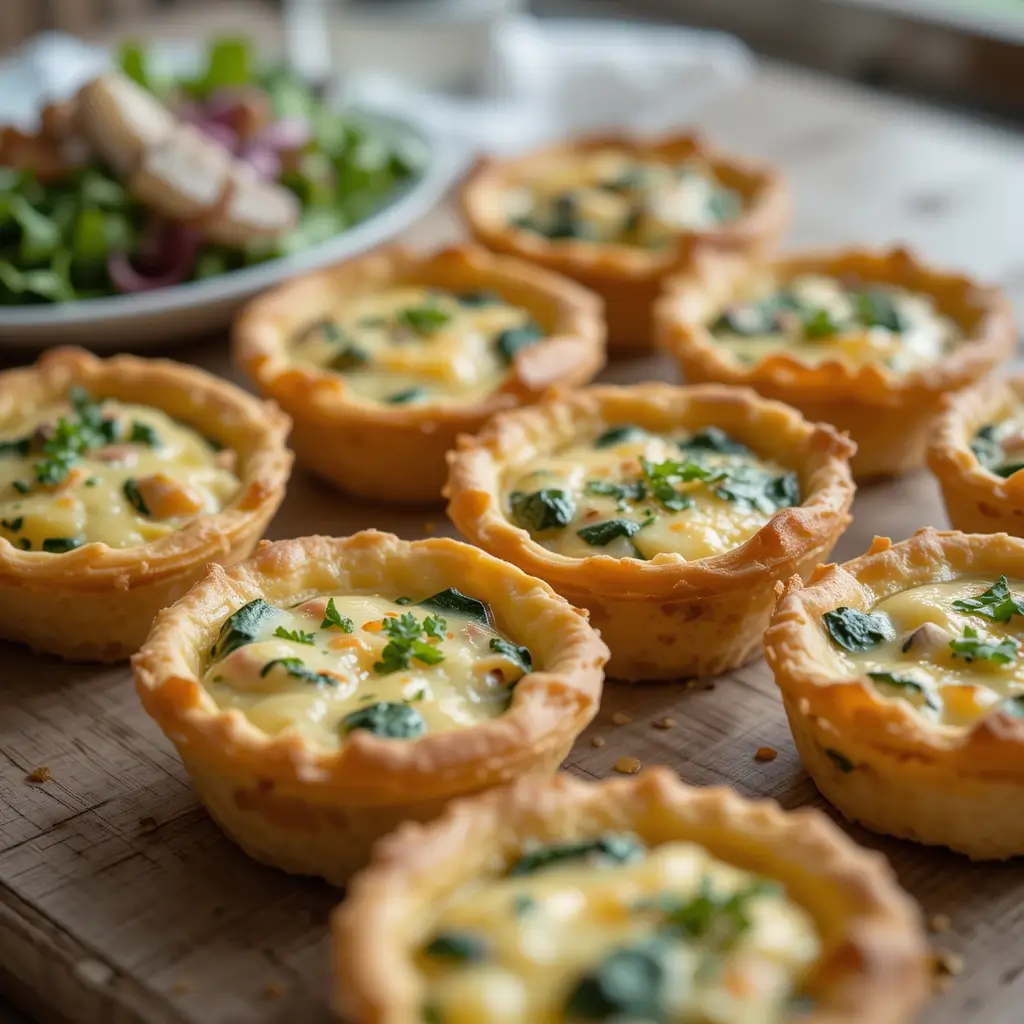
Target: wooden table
x=120 y=902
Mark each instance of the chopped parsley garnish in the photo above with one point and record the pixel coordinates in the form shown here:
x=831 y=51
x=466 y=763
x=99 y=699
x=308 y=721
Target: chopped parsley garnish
x=298 y=670
x=297 y=636
x=458 y=947
x=59 y=545
x=713 y=439
x=14 y=525
x=334 y=620
x=972 y=647
x=718 y=919
x=456 y=602
x=996 y=604
x=74 y=436
x=407 y=396
x=386 y=718
x=349 y=357
x=143 y=433
x=600 y=535
x=661 y=479
x=856 y=631
x=406 y=642
x=134 y=498
x=242 y=627
x=519 y=656
x=550 y=508
x=619 y=435
x=606 y=850
x=424 y=320
x=514 y=339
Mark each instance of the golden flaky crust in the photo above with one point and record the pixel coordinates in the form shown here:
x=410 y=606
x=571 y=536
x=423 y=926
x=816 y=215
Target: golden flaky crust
x=664 y=618
x=317 y=812
x=896 y=772
x=96 y=603
x=397 y=452
x=628 y=278
x=873 y=962
x=977 y=500
x=889 y=416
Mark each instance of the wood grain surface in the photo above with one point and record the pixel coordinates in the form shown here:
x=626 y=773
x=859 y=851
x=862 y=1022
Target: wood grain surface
x=121 y=902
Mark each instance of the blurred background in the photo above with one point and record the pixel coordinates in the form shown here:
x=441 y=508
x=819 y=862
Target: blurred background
x=967 y=53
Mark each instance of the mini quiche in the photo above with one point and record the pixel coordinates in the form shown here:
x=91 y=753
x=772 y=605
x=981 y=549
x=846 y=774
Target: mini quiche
x=326 y=690
x=670 y=513
x=120 y=479
x=618 y=214
x=903 y=679
x=382 y=361
x=640 y=900
x=867 y=341
x=976 y=451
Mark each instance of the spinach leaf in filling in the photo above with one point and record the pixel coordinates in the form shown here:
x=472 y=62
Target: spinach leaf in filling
x=996 y=604
x=628 y=985
x=856 y=631
x=611 y=848
x=619 y=435
x=389 y=719
x=550 y=508
x=242 y=627
x=452 y=600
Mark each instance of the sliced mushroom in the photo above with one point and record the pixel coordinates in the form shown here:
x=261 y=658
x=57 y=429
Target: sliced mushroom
x=122 y=120
x=121 y=454
x=184 y=176
x=165 y=498
x=926 y=641
x=252 y=208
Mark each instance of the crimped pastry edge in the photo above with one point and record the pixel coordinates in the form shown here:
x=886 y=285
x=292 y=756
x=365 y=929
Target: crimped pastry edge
x=874 y=967
x=977 y=500
x=551 y=705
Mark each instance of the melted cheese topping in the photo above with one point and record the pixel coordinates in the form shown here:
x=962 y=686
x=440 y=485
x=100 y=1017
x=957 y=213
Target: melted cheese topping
x=630 y=494
x=999 y=446
x=417 y=344
x=542 y=946
x=611 y=197
x=307 y=669
x=952 y=664
x=124 y=475
x=817 y=318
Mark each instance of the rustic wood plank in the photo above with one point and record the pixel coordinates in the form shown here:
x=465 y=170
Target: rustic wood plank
x=106 y=917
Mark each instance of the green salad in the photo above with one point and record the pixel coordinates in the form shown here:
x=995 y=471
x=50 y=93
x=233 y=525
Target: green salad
x=71 y=228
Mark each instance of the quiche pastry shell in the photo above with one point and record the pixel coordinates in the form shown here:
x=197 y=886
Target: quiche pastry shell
x=628 y=278
x=664 y=618
x=874 y=961
x=96 y=602
x=897 y=772
x=318 y=811
x=977 y=500
x=397 y=452
x=890 y=416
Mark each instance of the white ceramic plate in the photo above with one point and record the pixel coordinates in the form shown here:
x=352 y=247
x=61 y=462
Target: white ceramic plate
x=153 y=319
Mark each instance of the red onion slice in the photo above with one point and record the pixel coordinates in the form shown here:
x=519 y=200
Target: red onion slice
x=178 y=259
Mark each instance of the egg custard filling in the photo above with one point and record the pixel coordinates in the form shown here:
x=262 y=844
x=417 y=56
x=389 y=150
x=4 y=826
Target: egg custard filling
x=999 y=447
x=336 y=664
x=951 y=650
x=613 y=198
x=609 y=930
x=95 y=469
x=815 y=318
x=416 y=344
x=633 y=494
